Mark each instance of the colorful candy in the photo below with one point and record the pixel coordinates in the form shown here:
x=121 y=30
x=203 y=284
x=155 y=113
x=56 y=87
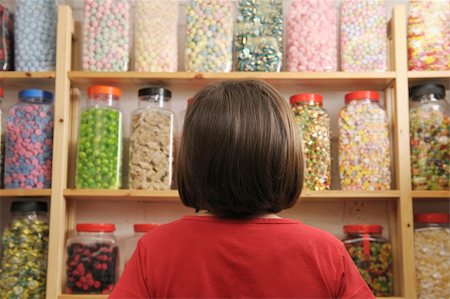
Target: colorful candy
x=209 y=36
x=7 y=40
x=364 y=145
x=29 y=141
x=363 y=35
x=314 y=124
x=429 y=35
x=35 y=35
x=106 y=35
x=311 y=36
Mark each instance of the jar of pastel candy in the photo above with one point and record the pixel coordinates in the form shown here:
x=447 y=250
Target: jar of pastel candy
x=35 y=35
x=25 y=243
x=7 y=40
x=99 y=148
x=364 y=143
x=29 y=141
x=151 y=141
x=432 y=253
x=106 y=35
x=372 y=255
x=314 y=124
x=92 y=259
x=429 y=137
x=428 y=35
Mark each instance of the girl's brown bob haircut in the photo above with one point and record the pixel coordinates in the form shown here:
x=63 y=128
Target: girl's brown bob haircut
x=240 y=153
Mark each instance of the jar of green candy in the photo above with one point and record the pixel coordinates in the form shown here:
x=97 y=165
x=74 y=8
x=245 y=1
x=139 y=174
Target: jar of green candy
x=429 y=126
x=99 y=152
x=25 y=243
x=372 y=256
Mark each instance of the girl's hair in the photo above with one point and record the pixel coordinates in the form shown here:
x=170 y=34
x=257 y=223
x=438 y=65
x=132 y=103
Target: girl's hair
x=240 y=153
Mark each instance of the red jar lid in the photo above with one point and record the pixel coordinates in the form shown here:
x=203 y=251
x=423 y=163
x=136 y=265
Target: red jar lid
x=143 y=228
x=2 y=92
x=104 y=89
x=363 y=228
x=362 y=95
x=96 y=227
x=431 y=218
x=306 y=97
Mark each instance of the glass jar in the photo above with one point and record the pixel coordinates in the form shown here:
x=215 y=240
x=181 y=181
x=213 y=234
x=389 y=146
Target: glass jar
x=25 y=244
x=258 y=41
x=99 y=152
x=428 y=35
x=106 y=35
x=7 y=40
x=35 y=35
x=429 y=137
x=151 y=141
x=363 y=35
x=155 y=37
x=432 y=252
x=29 y=141
x=372 y=255
x=311 y=36
x=314 y=123
x=364 y=144
x=92 y=259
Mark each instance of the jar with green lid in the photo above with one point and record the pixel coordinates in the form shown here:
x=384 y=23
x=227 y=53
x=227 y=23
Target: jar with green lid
x=432 y=253
x=314 y=123
x=99 y=152
x=372 y=255
x=25 y=244
x=151 y=141
x=429 y=126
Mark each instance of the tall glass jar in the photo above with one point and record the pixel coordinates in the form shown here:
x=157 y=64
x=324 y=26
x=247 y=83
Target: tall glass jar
x=429 y=137
x=372 y=255
x=92 y=259
x=99 y=152
x=364 y=144
x=29 y=141
x=25 y=245
x=151 y=141
x=432 y=252
x=6 y=39
x=314 y=124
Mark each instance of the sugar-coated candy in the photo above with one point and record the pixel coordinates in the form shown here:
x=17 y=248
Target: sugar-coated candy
x=155 y=36
x=311 y=36
x=6 y=40
x=209 y=36
x=363 y=35
x=35 y=35
x=106 y=35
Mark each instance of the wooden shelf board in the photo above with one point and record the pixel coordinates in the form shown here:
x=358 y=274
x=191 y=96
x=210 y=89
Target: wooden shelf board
x=24 y=192
x=431 y=194
x=27 y=75
x=442 y=77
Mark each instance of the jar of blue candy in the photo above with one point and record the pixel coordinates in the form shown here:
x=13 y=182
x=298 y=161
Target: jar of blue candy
x=29 y=141
x=35 y=35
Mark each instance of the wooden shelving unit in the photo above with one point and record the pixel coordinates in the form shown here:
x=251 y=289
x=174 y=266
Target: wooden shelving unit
x=432 y=195
x=24 y=192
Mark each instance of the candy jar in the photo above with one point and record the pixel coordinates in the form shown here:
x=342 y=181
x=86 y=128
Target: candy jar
x=92 y=259
x=372 y=255
x=311 y=36
x=25 y=243
x=363 y=35
x=35 y=35
x=429 y=35
x=314 y=124
x=99 y=152
x=106 y=35
x=258 y=37
x=7 y=40
x=151 y=141
x=432 y=253
x=429 y=137
x=29 y=141
x=209 y=36
x=155 y=37
x=364 y=144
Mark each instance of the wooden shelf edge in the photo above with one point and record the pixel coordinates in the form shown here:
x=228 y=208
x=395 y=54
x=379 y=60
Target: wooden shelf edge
x=27 y=75
x=428 y=74
x=24 y=192
x=431 y=194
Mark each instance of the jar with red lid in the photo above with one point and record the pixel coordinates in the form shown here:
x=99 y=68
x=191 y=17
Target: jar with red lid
x=364 y=143
x=314 y=124
x=432 y=253
x=92 y=259
x=372 y=255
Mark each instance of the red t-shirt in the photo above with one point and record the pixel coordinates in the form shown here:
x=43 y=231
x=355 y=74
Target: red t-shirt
x=208 y=257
